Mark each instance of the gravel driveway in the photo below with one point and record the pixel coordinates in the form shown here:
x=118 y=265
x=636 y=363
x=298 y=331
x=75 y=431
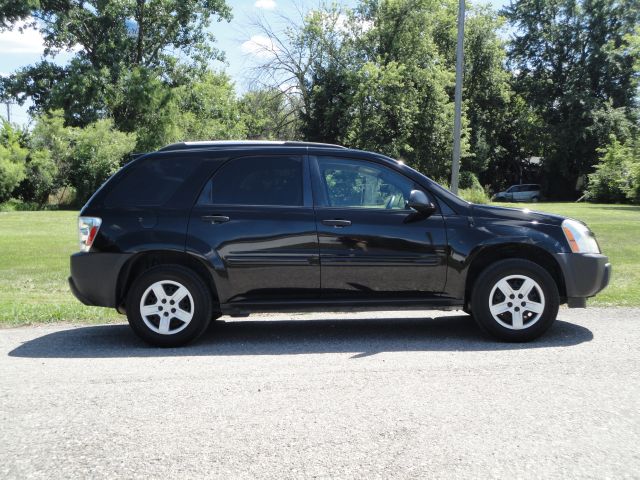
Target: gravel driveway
x=390 y=394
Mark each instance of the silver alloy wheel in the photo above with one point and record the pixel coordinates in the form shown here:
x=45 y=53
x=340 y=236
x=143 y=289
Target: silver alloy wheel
x=516 y=302
x=166 y=307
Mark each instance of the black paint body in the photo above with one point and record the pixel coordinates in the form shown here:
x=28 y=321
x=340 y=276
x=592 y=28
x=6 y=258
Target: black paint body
x=258 y=258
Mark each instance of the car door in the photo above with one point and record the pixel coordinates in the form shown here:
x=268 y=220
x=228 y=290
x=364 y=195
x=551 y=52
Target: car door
x=372 y=246
x=255 y=222
x=521 y=193
x=509 y=194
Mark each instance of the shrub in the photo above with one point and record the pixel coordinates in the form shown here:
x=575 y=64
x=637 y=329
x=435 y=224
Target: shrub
x=633 y=190
x=469 y=180
x=16 y=205
x=98 y=150
x=12 y=159
x=41 y=173
x=474 y=195
x=611 y=182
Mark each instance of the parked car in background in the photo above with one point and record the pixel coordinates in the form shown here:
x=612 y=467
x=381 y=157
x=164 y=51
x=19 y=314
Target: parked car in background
x=181 y=236
x=529 y=192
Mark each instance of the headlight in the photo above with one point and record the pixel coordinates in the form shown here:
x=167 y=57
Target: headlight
x=580 y=238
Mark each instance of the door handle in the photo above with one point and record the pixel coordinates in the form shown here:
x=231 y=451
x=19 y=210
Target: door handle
x=215 y=218
x=337 y=223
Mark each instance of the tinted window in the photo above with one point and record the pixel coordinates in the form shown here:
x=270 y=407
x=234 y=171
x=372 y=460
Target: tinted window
x=152 y=181
x=355 y=183
x=258 y=181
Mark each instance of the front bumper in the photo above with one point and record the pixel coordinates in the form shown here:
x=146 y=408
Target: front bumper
x=94 y=277
x=585 y=274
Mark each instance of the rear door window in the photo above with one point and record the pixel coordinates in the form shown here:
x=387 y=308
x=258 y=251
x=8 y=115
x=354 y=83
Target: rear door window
x=259 y=180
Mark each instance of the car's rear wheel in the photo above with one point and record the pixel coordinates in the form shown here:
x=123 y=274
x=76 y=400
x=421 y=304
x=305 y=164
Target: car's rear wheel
x=169 y=306
x=535 y=199
x=515 y=300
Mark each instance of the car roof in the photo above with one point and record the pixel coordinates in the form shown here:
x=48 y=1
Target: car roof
x=221 y=144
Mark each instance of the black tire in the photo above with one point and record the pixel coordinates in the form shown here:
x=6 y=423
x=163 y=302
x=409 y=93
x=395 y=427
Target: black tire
x=489 y=278
x=201 y=308
x=535 y=199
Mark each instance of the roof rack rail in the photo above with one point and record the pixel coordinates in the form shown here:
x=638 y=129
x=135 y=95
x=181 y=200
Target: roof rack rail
x=244 y=143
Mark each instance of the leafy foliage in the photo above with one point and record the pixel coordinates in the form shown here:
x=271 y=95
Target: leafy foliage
x=12 y=159
x=209 y=109
x=574 y=59
x=40 y=178
x=616 y=178
x=129 y=56
x=98 y=151
x=268 y=115
x=378 y=76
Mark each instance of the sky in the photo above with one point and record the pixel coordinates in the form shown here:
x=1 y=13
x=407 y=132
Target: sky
x=238 y=39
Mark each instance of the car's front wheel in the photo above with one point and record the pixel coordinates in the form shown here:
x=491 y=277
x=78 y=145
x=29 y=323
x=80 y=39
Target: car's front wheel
x=169 y=306
x=515 y=300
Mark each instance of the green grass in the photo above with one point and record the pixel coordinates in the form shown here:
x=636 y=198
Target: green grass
x=35 y=249
x=34 y=266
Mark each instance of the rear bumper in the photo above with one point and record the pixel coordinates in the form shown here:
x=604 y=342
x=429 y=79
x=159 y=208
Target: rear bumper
x=94 y=277
x=584 y=275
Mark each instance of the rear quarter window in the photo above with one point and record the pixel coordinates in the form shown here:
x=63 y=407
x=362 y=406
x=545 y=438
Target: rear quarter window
x=151 y=182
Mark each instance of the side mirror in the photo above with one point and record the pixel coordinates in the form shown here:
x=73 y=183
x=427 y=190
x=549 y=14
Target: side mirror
x=419 y=202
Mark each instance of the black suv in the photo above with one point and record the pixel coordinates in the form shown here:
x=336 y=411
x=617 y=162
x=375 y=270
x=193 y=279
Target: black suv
x=193 y=231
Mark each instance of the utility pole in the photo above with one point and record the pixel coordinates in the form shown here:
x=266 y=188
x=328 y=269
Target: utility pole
x=8 y=105
x=457 y=119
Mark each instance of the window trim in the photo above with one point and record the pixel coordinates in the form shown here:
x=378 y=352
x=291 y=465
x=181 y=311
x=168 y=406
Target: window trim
x=320 y=195
x=307 y=200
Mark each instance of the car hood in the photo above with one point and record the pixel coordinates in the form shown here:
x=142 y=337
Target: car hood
x=522 y=214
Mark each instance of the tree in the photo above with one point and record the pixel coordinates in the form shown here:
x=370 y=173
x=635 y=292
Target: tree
x=368 y=78
x=49 y=139
x=572 y=59
x=129 y=55
x=307 y=63
x=611 y=179
x=269 y=115
x=209 y=109
x=98 y=152
x=80 y=158
x=40 y=178
x=487 y=93
x=12 y=159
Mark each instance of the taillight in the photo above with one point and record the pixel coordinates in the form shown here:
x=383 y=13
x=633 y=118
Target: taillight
x=88 y=229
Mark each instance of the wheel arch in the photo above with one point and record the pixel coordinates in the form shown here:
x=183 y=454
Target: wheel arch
x=143 y=261
x=490 y=254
